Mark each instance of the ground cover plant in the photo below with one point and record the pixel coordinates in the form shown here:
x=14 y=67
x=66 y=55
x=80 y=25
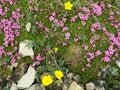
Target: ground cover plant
x=81 y=36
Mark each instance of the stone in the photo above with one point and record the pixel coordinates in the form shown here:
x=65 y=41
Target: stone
x=34 y=87
x=27 y=79
x=24 y=49
x=15 y=65
x=42 y=87
x=75 y=86
x=100 y=88
x=64 y=87
x=77 y=78
x=97 y=85
x=105 y=70
x=20 y=71
x=70 y=75
x=100 y=84
x=14 y=87
x=90 y=86
x=28 y=26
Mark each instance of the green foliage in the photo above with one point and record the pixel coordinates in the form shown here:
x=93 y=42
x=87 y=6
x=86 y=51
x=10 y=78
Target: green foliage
x=113 y=77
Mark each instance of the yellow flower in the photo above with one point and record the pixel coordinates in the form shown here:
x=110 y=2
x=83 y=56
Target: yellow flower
x=58 y=74
x=47 y=80
x=68 y=5
x=55 y=49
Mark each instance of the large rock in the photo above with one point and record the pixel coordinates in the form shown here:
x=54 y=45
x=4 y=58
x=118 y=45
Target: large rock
x=27 y=80
x=25 y=49
x=14 y=87
x=28 y=26
x=75 y=86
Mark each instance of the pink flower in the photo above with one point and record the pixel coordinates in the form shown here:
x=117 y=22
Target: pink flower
x=13 y=60
x=32 y=57
x=97 y=53
x=36 y=63
x=106 y=59
x=97 y=9
x=83 y=16
x=4 y=63
x=86 y=10
x=83 y=23
x=73 y=18
x=83 y=69
x=51 y=18
x=65 y=28
x=67 y=35
x=88 y=65
x=16 y=14
x=102 y=5
x=39 y=57
x=46 y=29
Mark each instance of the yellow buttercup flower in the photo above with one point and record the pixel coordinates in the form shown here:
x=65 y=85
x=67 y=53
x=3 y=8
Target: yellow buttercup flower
x=58 y=74
x=47 y=80
x=68 y=5
x=55 y=49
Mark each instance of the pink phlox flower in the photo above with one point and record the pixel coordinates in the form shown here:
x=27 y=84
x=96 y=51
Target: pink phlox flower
x=40 y=58
x=106 y=59
x=73 y=19
x=67 y=35
x=97 y=53
x=83 y=16
x=86 y=10
x=65 y=28
x=102 y=5
x=97 y=9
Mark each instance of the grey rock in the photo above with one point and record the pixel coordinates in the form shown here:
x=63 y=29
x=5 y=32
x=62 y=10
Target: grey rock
x=75 y=86
x=14 y=87
x=70 y=81
x=77 y=78
x=90 y=86
x=24 y=49
x=101 y=84
x=97 y=85
x=28 y=26
x=27 y=79
x=65 y=87
x=34 y=87
x=100 y=88
x=104 y=71
x=70 y=75
x=42 y=87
